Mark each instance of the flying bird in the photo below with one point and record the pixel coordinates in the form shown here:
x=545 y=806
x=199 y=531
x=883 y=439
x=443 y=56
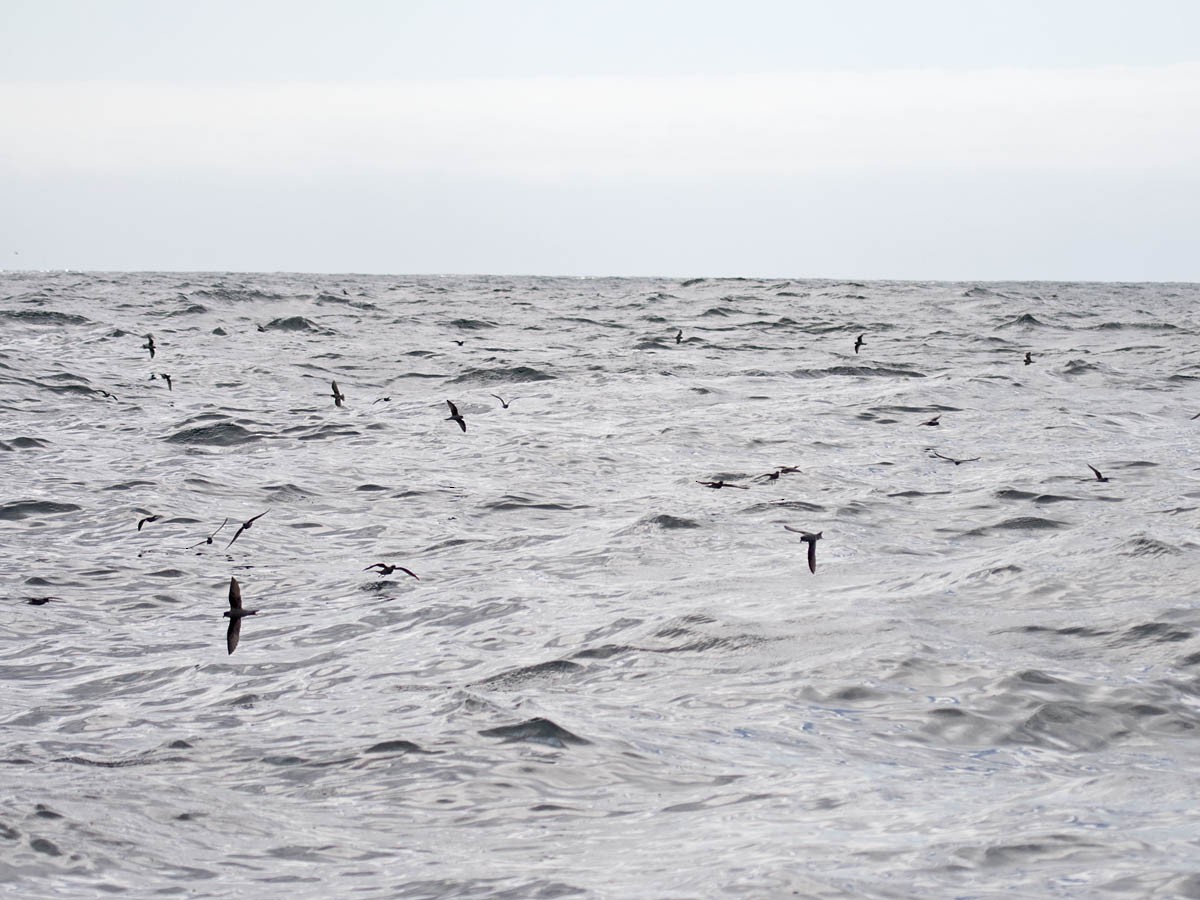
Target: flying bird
x=501 y=399
x=167 y=379
x=40 y=601
x=957 y=462
x=235 y=614
x=717 y=485
x=385 y=569
x=381 y=400
x=246 y=525
x=1028 y=358
x=149 y=345
x=679 y=336
x=455 y=417
x=933 y=421
x=208 y=540
x=811 y=539
x=142 y=522
x=338 y=396
x=858 y=343
x=457 y=341
x=1099 y=477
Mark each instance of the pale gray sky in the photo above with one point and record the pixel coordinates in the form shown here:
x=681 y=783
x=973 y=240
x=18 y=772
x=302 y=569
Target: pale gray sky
x=864 y=138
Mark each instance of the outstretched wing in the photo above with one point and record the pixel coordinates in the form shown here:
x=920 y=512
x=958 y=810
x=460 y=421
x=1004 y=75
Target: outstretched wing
x=234 y=634
x=235 y=595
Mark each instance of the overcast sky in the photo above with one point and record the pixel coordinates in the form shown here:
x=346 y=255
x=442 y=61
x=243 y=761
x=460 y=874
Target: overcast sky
x=928 y=139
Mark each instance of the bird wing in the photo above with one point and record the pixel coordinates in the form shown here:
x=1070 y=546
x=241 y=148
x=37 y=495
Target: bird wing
x=375 y=565
x=259 y=516
x=461 y=424
x=453 y=409
x=1094 y=469
x=234 y=634
x=408 y=572
x=235 y=595
x=236 y=535
x=812 y=557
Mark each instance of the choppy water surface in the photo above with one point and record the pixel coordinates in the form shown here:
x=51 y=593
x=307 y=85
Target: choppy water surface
x=609 y=680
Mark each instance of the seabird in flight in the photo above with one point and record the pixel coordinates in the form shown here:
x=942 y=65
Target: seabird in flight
x=811 y=539
x=455 y=417
x=245 y=525
x=235 y=614
x=385 y=569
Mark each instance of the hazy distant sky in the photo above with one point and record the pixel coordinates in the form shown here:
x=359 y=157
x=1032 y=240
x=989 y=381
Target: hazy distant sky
x=947 y=139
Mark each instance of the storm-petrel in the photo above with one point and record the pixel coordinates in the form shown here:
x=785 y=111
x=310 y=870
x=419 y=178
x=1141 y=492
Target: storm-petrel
x=1099 y=477
x=1028 y=358
x=208 y=540
x=167 y=379
x=235 y=614
x=245 y=525
x=149 y=345
x=455 y=417
x=142 y=522
x=934 y=420
x=957 y=462
x=338 y=396
x=679 y=336
x=385 y=569
x=717 y=485
x=859 y=343
x=503 y=404
x=811 y=539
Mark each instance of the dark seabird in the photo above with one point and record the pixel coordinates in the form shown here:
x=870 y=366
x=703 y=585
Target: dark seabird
x=167 y=379
x=381 y=400
x=455 y=417
x=246 y=525
x=679 y=336
x=385 y=569
x=957 y=462
x=1196 y=416
x=1028 y=358
x=811 y=539
x=771 y=476
x=235 y=614
x=208 y=540
x=149 y=345
x=858 y=343
x=717 y=485
x=107 y=394
x=40 y=601
x=934 y=420
x=501 y=399
x=1099 y=477
x=147 y=519
x=338 y=396
x=457 y=341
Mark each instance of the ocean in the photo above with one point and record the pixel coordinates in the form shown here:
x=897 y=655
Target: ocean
x=606 y=679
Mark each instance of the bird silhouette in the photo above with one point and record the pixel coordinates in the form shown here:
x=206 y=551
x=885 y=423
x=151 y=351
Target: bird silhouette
x=957 y=462
x=933 y=421
x=385 y=569
x=501 y=399
x=455 y=417
x=142 y=522
x=679 y=336
x=167 y=379
x=245 y=525
x=811 y=539
x=717 y=485
x=149 y=345
x=209 y=539
x=1028 y=358
x=235 y=614
x=338 y=396
x=858 y=343
x=1099 y=477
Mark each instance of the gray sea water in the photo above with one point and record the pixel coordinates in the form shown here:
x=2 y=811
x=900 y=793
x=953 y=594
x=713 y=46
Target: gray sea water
x=609 y=680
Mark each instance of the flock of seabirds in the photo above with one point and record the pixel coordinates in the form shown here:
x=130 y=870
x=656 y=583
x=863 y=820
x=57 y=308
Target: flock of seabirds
x=237 y=611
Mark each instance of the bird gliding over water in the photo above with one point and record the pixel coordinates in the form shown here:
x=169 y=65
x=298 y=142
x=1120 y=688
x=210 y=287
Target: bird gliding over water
x=455 y=417
x=245 y=525
x=338 y=396
x=811 y=539
x=235 y=614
